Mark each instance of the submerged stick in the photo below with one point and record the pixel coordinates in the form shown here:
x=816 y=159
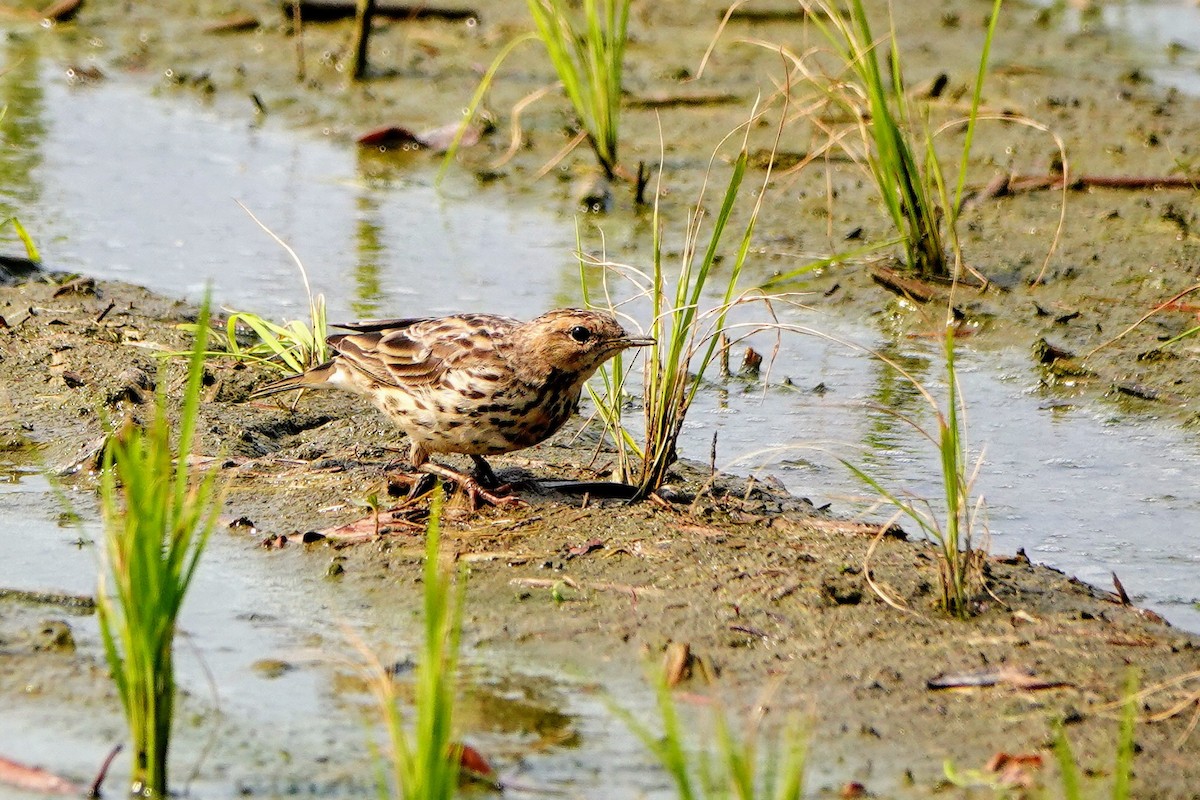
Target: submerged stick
x=298 y=33
x=364 y=13
x=1002 y=186
x=330 y=10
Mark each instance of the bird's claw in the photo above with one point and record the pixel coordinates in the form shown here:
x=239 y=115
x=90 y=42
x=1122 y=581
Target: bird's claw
x=474 y=490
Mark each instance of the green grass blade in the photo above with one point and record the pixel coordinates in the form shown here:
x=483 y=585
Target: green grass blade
x=31 y=249
x=976 y=97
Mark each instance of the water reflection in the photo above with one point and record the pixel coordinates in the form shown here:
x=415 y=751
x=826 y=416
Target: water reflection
x=151 y=201
x=894 y=398
x=22 y=127
x=368 y=296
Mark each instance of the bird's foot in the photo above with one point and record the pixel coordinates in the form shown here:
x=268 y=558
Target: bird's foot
x=483 y=473
x=473 y=487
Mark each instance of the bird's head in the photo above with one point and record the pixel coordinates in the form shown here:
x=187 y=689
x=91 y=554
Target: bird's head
x=576 y=341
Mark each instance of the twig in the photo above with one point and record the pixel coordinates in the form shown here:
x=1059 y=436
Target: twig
x=94 y=789
x=1121 y=593
x=1143 y=318
x=298 y=33
x=876 y=588
x=364 y=12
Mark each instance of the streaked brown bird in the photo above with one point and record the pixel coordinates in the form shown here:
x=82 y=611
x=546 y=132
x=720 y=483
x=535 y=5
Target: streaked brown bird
x=475 y=384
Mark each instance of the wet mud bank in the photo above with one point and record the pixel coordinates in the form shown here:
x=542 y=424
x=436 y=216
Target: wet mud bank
x=769 y=594
x=773 y=597
x=1127 y=241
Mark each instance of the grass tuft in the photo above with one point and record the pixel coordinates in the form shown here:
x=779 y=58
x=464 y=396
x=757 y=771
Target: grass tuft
x=953 y=529
x=897 y=143
x=587 y=50
x=688 y=325
x=1070 y=774
x=291 y=347
x=588 y=53
x=422 y=761
x=741 y=766
x=156 y=523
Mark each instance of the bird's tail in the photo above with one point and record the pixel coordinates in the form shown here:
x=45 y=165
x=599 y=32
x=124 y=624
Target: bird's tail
x=312 y=379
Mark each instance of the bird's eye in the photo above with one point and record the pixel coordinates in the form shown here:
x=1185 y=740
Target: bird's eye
x=580 y=334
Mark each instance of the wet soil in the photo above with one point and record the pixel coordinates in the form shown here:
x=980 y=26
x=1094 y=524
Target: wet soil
x=1118 y=255
x=763 y=589
x=769 y=594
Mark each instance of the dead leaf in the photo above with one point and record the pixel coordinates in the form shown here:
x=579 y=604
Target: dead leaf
x=677 y=663
x=36 y=779
x=474 y=767
x=1015 y=770
x=389 y=137
x=439 y=140
x=585 y=548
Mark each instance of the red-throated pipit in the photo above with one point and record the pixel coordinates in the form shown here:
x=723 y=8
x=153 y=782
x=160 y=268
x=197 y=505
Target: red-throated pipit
x=475 y=384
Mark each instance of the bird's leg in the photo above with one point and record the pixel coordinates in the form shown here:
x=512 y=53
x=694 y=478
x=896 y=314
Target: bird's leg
x=469 y=485
x=483 y=473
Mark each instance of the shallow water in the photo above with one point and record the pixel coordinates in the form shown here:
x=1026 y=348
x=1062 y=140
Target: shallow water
x=151 y=200
x=1088 y=490
x=1167 y=30
x=245 y=608
x=117 y=184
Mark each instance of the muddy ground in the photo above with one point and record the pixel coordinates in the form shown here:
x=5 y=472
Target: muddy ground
x=761 y=587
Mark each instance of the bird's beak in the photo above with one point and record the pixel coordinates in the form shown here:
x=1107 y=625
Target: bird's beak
x=636 y=341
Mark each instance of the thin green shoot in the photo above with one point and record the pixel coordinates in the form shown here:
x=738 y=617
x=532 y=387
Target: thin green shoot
x=1070 y=774
x=684 y=351
x=157 y=520
x=485 y=83
x=907 y=185
x=829 y=261
x=740 y=767
x=610 y=403
x=291 y=347
x=687 y=326
x=953 y=529
x=31 y=249
x=422 y=760
x=588 y=54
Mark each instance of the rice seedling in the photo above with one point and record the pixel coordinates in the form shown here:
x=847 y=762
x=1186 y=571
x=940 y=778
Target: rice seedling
x=953 y=529
x=157 y=520
x=689 y=325
x=291 y=347
x=1122 y=771
x=897 y=144
x=588 y=54
x=741 y=766
x=587 y=51
x=422 y=760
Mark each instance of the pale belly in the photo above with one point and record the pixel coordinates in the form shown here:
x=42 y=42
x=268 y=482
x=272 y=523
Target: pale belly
x=447 y=422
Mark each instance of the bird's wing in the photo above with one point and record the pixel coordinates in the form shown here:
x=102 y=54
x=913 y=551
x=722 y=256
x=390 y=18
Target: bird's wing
x=421 y=352
x=376 y=325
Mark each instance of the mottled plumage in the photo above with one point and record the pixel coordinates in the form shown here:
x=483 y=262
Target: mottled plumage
x=475 y=384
